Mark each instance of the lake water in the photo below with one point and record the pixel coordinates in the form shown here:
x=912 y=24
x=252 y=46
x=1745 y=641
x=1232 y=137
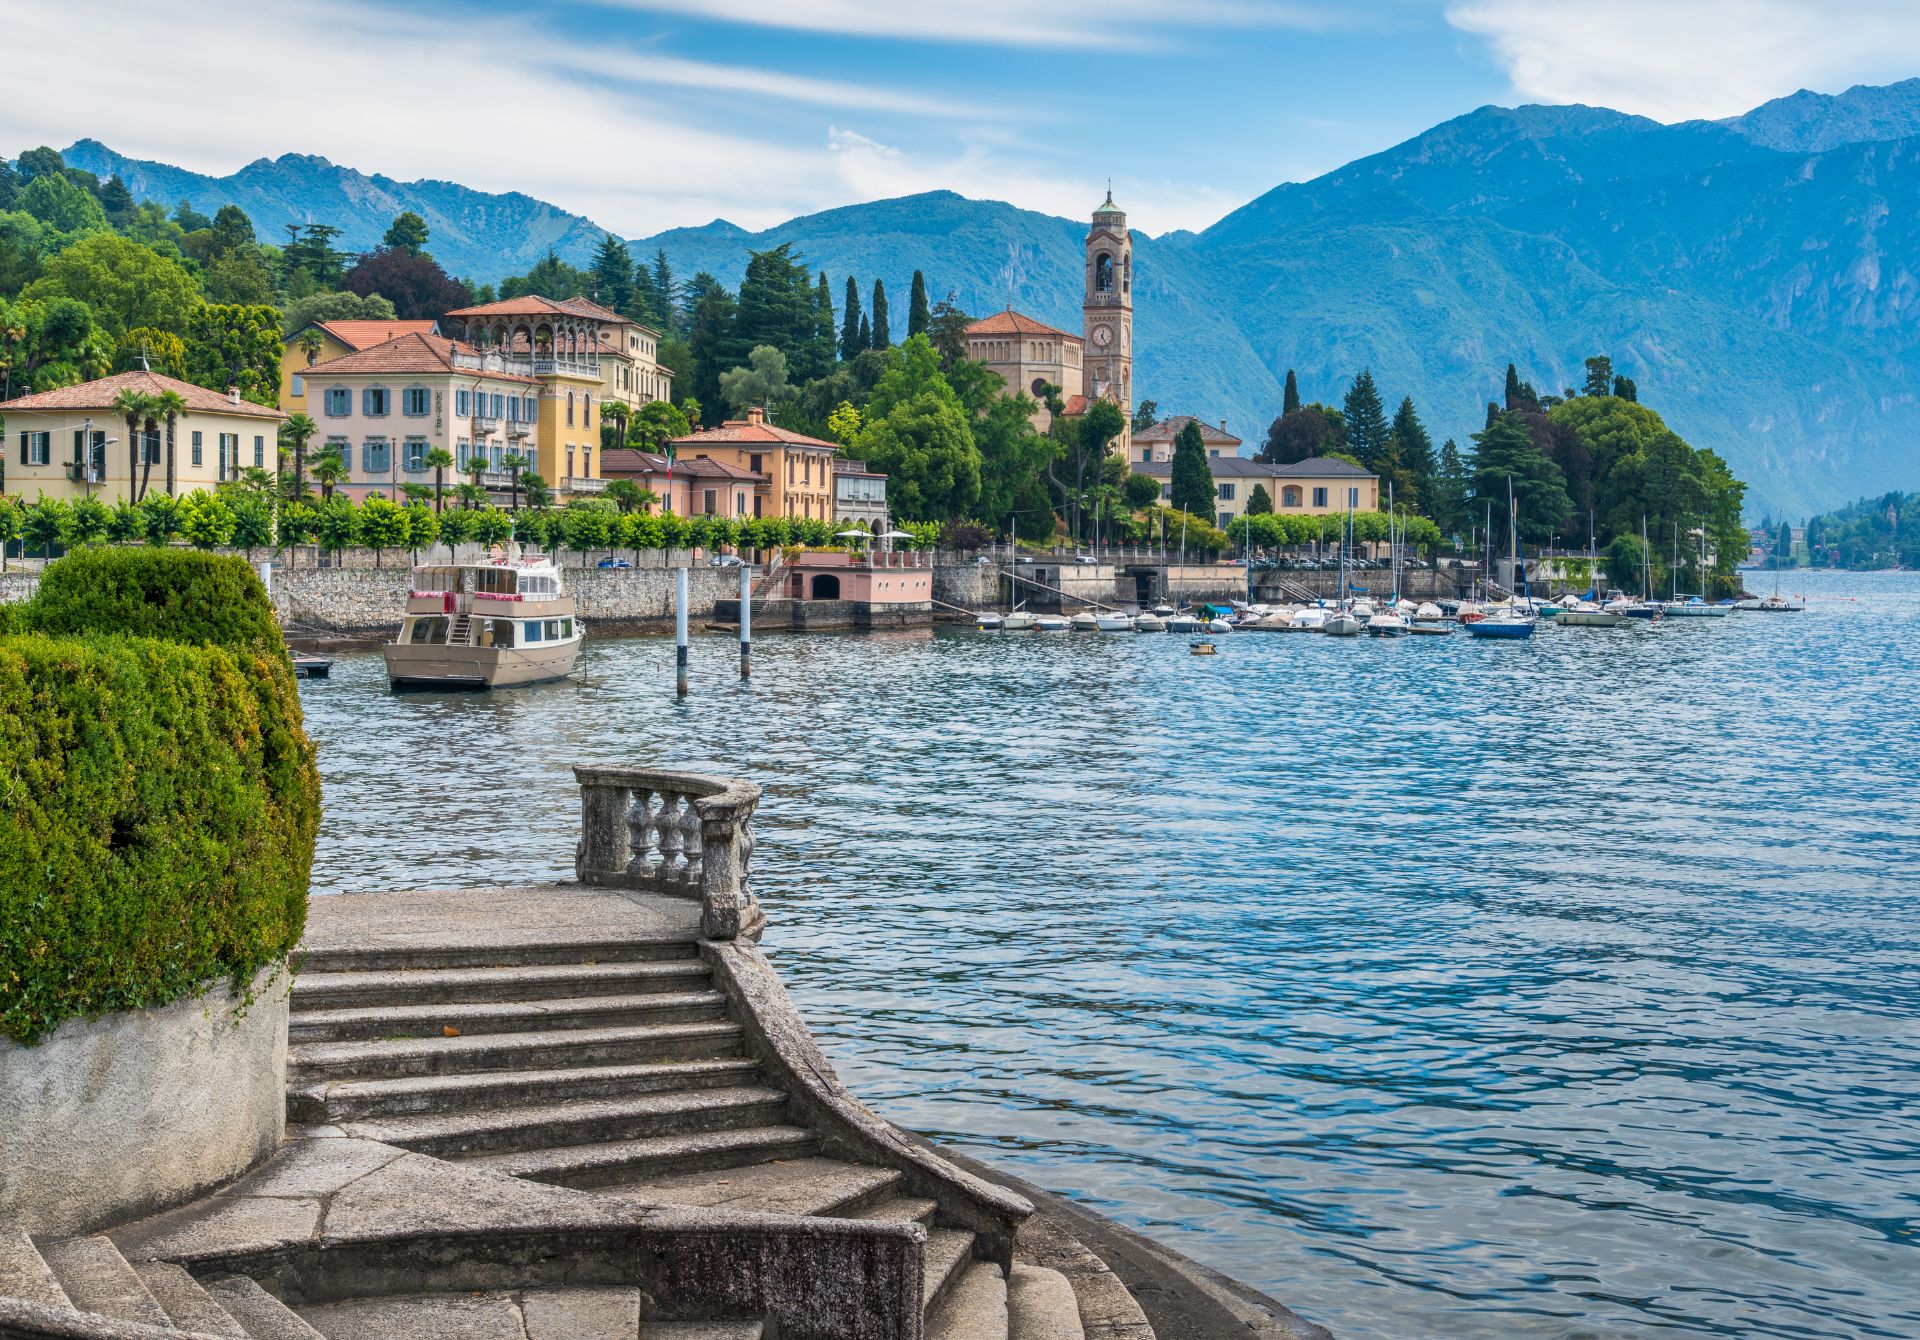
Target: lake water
x=1441 y=988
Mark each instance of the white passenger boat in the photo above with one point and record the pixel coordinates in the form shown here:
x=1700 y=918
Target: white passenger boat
x=485 y=625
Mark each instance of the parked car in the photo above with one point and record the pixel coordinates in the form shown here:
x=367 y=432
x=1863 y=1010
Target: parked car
x=1088 y=559
x=611 y=562
x=726 y=561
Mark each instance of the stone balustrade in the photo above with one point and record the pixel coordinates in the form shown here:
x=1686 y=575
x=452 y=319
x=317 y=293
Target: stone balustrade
x=685 y=834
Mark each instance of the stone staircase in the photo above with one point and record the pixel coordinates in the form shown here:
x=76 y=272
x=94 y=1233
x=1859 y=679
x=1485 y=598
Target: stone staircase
x=612 y=1067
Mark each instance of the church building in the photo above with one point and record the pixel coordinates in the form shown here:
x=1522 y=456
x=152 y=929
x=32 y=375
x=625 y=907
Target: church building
x=1096 y=364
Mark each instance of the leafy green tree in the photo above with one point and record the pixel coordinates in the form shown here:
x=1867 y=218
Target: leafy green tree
x=423 y=527
x=61 y=205
x=1624 y=388
x=1259 y=502
x=866 y=334
x=918 y=435
x=1505 y=452
x=776 y=308
x=586 y=529
x=1625 y=561
x=127 y=524
x=407 y=232
x=12 y=515
x=629 y=496
x=209 y=521
x=657 y=423
x=1145 y=415
x=918 y=315
x=1519 y=394
x=666 y=289
x=335 y=306
x=44 y=525
x=412 y=281
x=311 y=255
x=252 y=522
x=539 y=493
x=492 y=526
x=236 y=346
x=295 y=432
x=1290 y=397
x=122 y=283
x=165 y=516
x=850 y=341
x=550 y=277
x=1014 y=459
x=336 y=524
x=762 y=382
x=158 y=351
x=1144 y=491
x=50 y=343
x=88 y=521
x=1312 y=430
x=611 y=274
x=1599 y=376
x=456 y=526
x=947 y=328
x=878 y=337
x=824 y=348
x=1193 y=487
x=1366 y=420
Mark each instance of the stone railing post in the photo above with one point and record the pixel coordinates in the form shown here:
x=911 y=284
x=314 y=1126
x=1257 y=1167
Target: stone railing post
x=726 y=834
x=603 y=846
x=680 y=834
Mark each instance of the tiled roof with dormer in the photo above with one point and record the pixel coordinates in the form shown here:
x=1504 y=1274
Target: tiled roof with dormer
x=99 y=395
x=1168 y=429
x=366 y=334
x=413 y=354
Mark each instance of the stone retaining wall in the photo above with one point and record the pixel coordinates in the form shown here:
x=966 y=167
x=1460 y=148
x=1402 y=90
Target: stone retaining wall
x=365 y=600
x=112 y=1118
x=18 y=586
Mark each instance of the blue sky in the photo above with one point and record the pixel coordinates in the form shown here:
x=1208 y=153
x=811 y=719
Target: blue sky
x=647 y=114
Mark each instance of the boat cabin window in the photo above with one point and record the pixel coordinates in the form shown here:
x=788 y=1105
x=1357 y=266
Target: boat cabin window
x=494 y=581
x=430 y=629
x=496 y=632
x=533 y=630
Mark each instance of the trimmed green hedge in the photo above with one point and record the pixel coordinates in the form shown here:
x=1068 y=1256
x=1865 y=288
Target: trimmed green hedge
x=180 y=595
x=158 y=801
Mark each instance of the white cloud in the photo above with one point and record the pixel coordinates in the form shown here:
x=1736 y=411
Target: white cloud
x=1112 y=24
x=1679 y=59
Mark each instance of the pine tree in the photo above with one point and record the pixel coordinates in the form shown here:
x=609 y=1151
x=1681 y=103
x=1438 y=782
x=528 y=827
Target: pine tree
x=1366 y=420
x=1416 y=454
x=1259 y=502
x=1505 y=453
x=881 y=338
x=824 y=342
x=612 y=276
x=851 y=341
x=1599 y=376
x=1291 y=400
x=1625 y=389
x=917 y=314
x=1192 y=477
x=672 y=310
x=1447 y=504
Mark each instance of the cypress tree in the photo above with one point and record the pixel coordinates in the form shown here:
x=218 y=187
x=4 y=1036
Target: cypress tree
x=918 y=316
x=851 y=340
x=1513 y=387
x=1416 y=452
x=1192 y=477
x=1291 y=400
x=881 y=337
x=866 y=332
x=1447 y=504
x=1366 y=420
x=668 y=290
x=1259 y=502
x=612 y=275
x=824 y=346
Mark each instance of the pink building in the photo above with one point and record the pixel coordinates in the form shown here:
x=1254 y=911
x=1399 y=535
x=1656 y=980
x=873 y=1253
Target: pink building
x=871 y=579
x=694 y=486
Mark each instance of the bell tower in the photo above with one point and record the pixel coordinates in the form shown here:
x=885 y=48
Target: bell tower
x=1107 y=311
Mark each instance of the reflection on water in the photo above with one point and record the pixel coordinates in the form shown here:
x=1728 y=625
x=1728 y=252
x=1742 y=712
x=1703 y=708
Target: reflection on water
x=1442 y=988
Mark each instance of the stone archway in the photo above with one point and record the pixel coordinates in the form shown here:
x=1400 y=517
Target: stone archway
x=826 y=586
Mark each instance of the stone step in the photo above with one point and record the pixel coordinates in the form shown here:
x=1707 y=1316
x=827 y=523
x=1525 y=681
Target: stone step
x=24 y=1273
x=410 y=986
x=619 y=1162
x=595 y=1121
x=974 y=1308
x=317 y=1062
x=791 y=1186
x=701 y=1330
x=259 y=1313
x=640 y=949
x=96 y=1278
x=191 y=1307
x=899 y=1210
x=416 y=1095
x=1041 y=1306
x=415 y=1021
x=948 y=1252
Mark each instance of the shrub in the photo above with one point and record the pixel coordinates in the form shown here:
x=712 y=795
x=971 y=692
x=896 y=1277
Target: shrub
x=156 y=823
x=176 y=595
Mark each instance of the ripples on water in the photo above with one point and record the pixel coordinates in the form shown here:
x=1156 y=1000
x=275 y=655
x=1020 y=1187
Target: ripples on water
x=1441 y=988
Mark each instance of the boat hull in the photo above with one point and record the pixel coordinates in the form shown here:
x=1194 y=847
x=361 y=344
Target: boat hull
x=1589 y=619
x=440 y=666
x=1500 y=630
x=1342 y=625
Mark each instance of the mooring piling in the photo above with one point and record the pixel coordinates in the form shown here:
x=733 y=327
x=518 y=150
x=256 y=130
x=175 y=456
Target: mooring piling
x=746 y=621
x=680 y=630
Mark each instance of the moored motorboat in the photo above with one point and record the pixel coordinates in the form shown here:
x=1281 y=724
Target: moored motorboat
x=1312 y=619
x=1149 y=623
x=1586 y=614
x=311 y=667
x=1183 y=623
x=988 y=621
x=1387 y=623
x=1507 y=623
x=1019 y=621
x=1112 y=621
x=1050 y=623
x=491 y=624
x=1428 y=612
x=1342 y=623
x=1218 y=625
x=1085 y=622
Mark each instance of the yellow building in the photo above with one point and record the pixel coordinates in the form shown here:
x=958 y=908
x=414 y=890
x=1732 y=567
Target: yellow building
x=796 y=471
x=324 y=341
x=1313 y=487
x=70 y=443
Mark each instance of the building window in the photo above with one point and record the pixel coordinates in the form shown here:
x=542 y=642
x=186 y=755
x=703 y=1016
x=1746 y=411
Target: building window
x=416 y=402
x=35 y=448
x=339 y=402
x=376 y=456
x=586 y=410
x=374 y=402
x=413 y=455
x=569 y=411
x=299 y=384
x=754 y=462
x=569 y=462
x=1166 y=491
x=229 y=455
x=710 y=501
x=1353 y=497
x=463 y=404
x=462 y=454
x=1225 y=491
x=1319 y=497
x=259 y=452
x=586 y=461
x=1290 y=496
x=499 y=405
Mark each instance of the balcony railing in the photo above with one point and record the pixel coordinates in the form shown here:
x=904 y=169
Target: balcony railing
x=583 y=484
x=485 y=425
x=549 y=366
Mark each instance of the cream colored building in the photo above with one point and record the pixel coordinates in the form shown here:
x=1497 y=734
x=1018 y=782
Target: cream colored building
x=1028 y=356
x=323 y=341
x=1155 y=444
x=70 y=443
x=1313 y=487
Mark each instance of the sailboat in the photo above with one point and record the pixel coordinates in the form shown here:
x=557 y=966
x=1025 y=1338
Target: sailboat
x=1390 y=622
x=1580 y=611
x=1341 y=620
x=1646 y=607
x=1181 y=621
x=1775 y=603
x=1515 y=621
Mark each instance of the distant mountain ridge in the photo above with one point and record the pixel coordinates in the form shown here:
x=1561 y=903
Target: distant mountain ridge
x=1756 y=276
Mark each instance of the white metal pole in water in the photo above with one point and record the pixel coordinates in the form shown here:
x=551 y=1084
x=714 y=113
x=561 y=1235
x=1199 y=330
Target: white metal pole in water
x=680 y=630
x=746 y=621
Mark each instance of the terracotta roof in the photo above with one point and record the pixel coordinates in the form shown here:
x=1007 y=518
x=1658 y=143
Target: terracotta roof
x=98 y=395
x=1169 y=429
x=627 y=461
x=588 y=307
x=1245 y=467
x=752 y=431
x=533 y=304
x=1074 y=406
x=366 y=334
x=415 y=353
x=1011 y=322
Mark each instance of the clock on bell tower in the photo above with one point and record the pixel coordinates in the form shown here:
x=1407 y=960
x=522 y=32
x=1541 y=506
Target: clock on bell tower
x=1107 y=310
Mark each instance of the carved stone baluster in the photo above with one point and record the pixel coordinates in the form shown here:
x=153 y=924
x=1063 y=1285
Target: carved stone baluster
x=694 y=847
x=640 y=819
x=673 y=860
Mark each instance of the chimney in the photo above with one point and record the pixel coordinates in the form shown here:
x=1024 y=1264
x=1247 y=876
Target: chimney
x=755 y=414
x=1223 y=425
x=233 y=395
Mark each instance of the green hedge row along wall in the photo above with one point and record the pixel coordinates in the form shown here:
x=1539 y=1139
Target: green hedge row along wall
x=158 y=794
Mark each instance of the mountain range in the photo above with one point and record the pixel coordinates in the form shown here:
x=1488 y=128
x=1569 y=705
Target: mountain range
x=1755 y=276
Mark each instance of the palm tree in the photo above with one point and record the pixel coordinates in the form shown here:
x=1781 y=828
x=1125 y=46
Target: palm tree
x=476 y=467
x=616 y=412
x=172 y=405
x=137 y=407
x=515 y=465
x=329 y=468
x=439 y=460
x=629 y=496
x=471 y=496
x=294 y=434
x=312 y=341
